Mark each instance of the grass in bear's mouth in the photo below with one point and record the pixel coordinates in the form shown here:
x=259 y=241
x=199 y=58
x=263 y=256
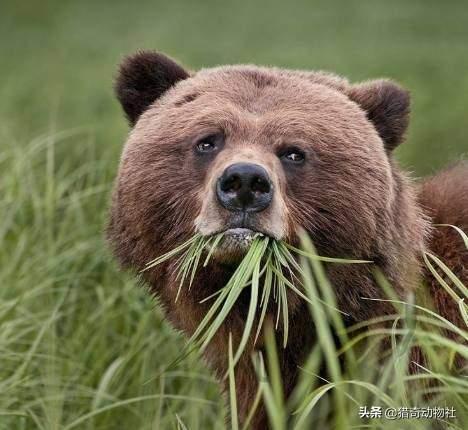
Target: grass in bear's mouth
x=268 y=262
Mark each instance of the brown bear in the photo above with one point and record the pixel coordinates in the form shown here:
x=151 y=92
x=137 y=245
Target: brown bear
x=242 y=149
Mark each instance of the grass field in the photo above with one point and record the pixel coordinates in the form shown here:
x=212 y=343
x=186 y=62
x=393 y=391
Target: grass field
x=80 y=344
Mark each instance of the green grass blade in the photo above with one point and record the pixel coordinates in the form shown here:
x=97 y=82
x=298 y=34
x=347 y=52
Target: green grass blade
x=265 y=298
x=251 y=313
x=214 y=245
x=284 y=300
x=232 y=388
x=463 y=235
x=171 y=253
x=463 y=311
x=253 y=409
x=450 y=274
x=316 y=257
x=440 y=280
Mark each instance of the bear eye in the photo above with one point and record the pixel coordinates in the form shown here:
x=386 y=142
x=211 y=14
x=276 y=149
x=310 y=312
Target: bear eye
x=293 y=156
x=208 y=143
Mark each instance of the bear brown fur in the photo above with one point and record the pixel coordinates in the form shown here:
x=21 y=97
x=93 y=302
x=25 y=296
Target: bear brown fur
x=347 y=191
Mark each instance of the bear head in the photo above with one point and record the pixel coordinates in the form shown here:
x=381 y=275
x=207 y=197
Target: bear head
x=246 y=149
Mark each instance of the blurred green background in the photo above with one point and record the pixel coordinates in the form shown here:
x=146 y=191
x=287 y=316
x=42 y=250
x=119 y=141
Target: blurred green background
x=80 y=345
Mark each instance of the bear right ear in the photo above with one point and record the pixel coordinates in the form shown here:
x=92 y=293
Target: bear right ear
x=387 y=106
x=143 y=78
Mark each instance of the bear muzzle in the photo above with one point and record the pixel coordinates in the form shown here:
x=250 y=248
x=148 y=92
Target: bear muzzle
x=241 y=199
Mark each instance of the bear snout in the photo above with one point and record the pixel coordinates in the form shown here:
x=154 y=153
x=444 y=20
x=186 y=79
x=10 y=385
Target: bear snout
x=244 y=187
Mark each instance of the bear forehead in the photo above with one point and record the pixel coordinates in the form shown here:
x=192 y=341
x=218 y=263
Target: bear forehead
x=259 y=90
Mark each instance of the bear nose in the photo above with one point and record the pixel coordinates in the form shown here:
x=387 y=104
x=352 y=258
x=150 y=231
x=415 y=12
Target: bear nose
x=244 y=187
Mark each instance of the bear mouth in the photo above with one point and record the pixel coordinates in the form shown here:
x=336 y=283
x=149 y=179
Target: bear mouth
x=235 y=243
x=241 y=236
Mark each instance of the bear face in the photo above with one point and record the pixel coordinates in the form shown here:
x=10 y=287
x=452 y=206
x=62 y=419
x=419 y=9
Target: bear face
x=324 y=150
x=308 y=135
x=246 y=149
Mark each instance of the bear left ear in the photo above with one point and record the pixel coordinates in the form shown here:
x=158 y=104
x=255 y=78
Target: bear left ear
x=143 y=78
x=387 y=106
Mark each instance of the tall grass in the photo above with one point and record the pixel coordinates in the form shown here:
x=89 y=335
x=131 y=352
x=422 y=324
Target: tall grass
x=80 y=342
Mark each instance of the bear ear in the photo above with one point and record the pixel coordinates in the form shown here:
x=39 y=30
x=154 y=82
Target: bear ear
x=143 y=78
x=387 y=106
